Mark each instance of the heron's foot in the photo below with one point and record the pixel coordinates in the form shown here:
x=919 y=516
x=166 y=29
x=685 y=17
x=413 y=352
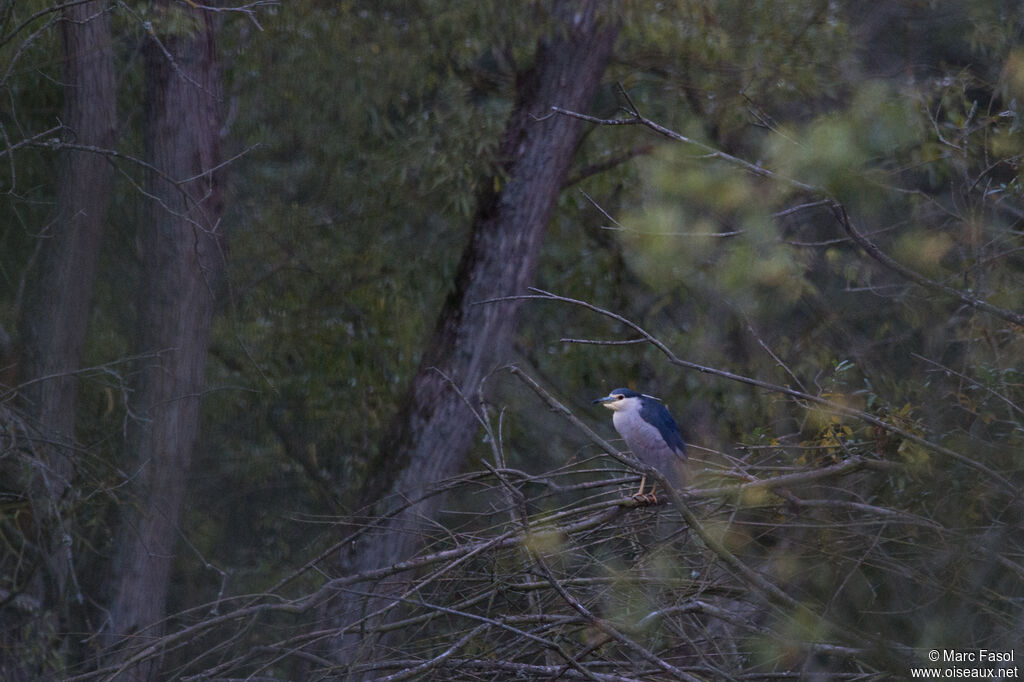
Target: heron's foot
x=645 y=499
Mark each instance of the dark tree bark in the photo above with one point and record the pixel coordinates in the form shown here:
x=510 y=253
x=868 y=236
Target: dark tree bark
x=181 y=266
x=431 y=435
x=55 y=313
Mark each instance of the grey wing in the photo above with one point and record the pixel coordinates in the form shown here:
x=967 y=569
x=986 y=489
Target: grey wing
x=649 y=445
x=656 y=414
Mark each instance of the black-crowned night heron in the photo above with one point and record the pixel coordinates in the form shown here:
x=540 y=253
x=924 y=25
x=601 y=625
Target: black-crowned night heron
x=650 y=433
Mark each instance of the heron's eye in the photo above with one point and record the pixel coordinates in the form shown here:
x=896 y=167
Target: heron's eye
x=619 y=397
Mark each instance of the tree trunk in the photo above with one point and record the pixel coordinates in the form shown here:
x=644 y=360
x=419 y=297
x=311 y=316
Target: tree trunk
x=181 y=266
x=55 y=315
x=433 y=432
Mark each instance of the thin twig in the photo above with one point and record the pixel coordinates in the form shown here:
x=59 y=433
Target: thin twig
x=838 y=408
x=872 y=249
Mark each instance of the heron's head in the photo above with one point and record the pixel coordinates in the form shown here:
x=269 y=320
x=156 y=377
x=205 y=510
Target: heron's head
x=621 y=399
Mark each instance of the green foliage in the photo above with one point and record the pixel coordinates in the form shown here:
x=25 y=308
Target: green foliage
x=350 y=208
x=361 y=135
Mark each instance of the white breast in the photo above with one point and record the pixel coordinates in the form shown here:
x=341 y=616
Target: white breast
x=640 y=436
x=646 y=443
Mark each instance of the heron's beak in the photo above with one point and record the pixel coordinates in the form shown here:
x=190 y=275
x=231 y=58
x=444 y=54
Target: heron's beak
x=606 y=399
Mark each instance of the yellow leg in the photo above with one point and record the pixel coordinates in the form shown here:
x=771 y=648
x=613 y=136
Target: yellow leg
x=643 y=482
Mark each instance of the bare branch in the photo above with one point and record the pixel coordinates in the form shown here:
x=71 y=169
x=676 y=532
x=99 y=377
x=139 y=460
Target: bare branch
x=872 y=249
x=636 y=118
x=838 y=408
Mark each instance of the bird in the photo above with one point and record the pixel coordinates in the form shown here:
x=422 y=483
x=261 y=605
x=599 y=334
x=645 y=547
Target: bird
x=650 y=433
